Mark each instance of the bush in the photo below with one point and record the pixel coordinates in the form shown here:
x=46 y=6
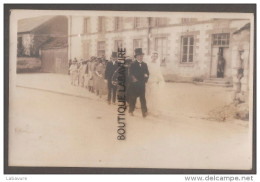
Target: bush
x=197 y=79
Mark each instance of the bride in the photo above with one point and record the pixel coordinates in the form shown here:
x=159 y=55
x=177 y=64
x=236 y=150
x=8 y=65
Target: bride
x=154 y=87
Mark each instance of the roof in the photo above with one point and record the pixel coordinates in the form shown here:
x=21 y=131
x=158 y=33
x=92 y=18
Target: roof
x=29 y=24
x=245 y=27
x=57 y=42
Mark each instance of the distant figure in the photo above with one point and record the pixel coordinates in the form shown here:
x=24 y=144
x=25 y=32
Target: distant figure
x=74 y=73
x=91 y=69
x=104 y=58
x=95 y=77
x=70 y=62
x=82 y=70
x=75 y=60
x=110 y=69
x=89 y=74
x=86 y=74
x=100 y=72
x=220 y=66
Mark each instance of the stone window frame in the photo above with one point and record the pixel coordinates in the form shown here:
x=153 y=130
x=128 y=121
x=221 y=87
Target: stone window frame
x=101 y=24
x=101 y=48
x=188 y=49
x=188 y=20
x=86 y=25
x=86 y=46
x=116 y=44
x=161 y=21
x=166 y=46
x=118 y=23
x=227 y=40
x=142 y=23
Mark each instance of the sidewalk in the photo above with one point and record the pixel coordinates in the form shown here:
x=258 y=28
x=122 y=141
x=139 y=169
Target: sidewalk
x=180 y=99
x=56 y=83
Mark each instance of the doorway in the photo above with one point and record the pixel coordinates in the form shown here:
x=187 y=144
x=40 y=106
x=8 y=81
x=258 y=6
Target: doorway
x=220 y=67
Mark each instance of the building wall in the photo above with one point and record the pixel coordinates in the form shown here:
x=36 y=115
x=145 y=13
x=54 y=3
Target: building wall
x=202 y=30
x=55 y=60
x=76 y=29
x=241 y=54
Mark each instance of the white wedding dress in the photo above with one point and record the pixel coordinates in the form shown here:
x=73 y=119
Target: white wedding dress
x=154 y=88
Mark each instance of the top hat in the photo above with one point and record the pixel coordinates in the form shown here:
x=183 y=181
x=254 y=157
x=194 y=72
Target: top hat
x=114 y=55
x=138 y=51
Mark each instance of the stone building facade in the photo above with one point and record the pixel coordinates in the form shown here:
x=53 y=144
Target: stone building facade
x=188 y=47
x=241 y=67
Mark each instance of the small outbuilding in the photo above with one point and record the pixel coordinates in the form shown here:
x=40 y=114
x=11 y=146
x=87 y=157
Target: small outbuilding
x=44 y=38
x=54 y=56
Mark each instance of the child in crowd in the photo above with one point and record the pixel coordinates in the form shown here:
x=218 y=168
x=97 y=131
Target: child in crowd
x=74 y=73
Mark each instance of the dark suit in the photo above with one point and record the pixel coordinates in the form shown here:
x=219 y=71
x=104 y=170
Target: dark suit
x=110 y=69
x=137 y=85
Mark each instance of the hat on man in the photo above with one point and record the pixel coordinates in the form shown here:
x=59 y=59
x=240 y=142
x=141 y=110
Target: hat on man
x=99 y=60
x=114 y=55
x=138 y=51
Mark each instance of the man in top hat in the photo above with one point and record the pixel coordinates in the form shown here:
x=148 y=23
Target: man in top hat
x=139 y=74
x=111 y=67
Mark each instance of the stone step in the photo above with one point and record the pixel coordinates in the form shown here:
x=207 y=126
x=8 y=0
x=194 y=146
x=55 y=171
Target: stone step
x=214 y=84
x=215 y=78
x=217 y=81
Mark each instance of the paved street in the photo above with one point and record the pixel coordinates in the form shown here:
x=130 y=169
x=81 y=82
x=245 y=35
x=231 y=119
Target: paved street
x=53 y=129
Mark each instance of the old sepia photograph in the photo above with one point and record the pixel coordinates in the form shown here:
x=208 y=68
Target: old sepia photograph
x=131 y=89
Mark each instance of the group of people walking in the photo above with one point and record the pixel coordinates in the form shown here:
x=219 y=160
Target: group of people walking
x=89 y=74
x=100 y=77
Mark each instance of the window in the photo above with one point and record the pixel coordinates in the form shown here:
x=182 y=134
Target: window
x=101 y=48
x=118 y=23
x=221 y=40
x=188 y=20
x=86 y=25
x=139 y=22
x=161 y=47
x=86 y=49
x=187 y=49
x=118 y=44
x=137 y=43
x=101 y=24
x=160 y=21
